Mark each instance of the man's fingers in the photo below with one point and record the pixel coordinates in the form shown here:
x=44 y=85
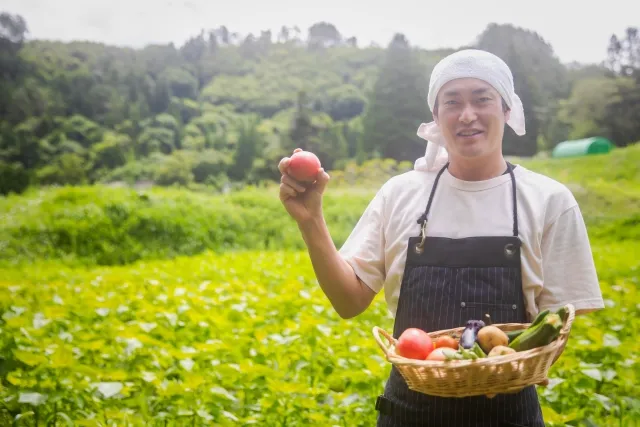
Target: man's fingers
x=322 y=180
x=284 y=164
x=286 y=179
x=287 y=192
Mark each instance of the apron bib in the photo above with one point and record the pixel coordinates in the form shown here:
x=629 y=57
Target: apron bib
x=447 y=282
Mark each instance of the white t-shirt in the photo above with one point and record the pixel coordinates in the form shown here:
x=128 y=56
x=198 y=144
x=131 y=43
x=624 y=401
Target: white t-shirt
x=557 y=263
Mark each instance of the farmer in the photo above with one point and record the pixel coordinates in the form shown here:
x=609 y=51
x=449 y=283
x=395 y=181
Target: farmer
x=463 y=234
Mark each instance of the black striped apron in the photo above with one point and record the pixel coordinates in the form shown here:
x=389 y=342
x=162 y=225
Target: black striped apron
x=445 y=284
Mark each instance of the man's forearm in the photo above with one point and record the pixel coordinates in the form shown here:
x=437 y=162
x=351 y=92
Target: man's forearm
x=348 y=295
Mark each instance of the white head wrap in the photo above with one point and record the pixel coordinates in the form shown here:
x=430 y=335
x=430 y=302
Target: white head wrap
x=468 y=63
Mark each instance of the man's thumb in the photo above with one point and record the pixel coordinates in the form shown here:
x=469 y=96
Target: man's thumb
x=322 y=180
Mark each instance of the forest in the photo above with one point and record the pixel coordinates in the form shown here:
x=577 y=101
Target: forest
x=219 y=111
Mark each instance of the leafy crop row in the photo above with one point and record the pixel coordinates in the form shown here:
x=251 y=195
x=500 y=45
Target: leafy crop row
x=249 y=339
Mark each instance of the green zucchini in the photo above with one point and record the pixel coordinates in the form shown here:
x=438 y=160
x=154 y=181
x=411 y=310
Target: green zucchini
x=539 y=318
x=539 y=335
x=512 y=335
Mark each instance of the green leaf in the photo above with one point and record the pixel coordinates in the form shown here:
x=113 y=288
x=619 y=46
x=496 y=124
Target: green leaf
x=31 y=359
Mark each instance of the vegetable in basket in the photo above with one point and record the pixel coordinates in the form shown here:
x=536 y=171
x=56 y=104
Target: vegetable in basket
x=446 y=341
x=442 y=354
x=512 y=335
x=490 y=337
x=414 y=343
x=542 y=333
x=470 y=333
x=501 y=350
x=473 y=353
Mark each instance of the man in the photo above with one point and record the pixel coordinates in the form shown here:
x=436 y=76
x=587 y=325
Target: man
x=463 y=234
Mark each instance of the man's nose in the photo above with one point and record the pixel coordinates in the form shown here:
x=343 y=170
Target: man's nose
x=468 y=114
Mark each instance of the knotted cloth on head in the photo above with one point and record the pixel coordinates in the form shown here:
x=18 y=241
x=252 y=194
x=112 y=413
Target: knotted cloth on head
x=469 y=63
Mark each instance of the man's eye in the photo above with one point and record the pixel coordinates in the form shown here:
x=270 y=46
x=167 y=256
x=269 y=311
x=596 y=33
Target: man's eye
x=451 y=102
x=484 y=99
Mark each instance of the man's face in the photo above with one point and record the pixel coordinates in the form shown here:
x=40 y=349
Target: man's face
x=471 y=117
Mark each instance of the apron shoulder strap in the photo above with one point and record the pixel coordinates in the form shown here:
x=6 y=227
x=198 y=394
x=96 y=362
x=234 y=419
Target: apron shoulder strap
x=422 y=220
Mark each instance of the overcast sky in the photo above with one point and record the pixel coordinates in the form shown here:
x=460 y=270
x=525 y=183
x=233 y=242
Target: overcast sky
x=428 y=24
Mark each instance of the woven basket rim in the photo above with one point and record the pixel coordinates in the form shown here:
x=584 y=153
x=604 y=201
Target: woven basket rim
x=452 y=365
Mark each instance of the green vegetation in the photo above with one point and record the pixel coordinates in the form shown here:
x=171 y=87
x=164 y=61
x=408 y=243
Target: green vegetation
x=246 y=336
x=250 y=339
x=108 y=226
x=222 y=109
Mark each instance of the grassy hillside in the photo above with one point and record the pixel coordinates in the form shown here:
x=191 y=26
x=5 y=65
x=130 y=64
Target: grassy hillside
x=107 y=226
x=607 y=188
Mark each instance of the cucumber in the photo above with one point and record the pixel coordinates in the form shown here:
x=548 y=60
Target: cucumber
x=539 y=318
x=512 y=335
x=539 y=335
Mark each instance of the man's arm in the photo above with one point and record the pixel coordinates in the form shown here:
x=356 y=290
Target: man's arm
x=346 y=292
x=338 y=274
x=569 y=273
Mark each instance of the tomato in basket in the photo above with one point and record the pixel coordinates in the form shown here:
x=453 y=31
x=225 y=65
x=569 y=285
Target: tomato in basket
x=441 y=353
x=446 y=341
x=414 y=343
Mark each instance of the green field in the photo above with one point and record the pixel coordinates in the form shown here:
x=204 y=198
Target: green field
x=176 y=308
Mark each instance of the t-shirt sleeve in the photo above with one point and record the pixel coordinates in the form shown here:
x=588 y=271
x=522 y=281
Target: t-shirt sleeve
x=569 y=273
x=364 y=249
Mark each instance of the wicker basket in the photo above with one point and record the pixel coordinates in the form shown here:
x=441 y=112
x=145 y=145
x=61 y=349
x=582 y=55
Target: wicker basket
x=485 y=376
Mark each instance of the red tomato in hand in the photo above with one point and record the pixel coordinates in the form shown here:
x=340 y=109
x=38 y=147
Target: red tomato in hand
x=414 y=344
x=304 y=166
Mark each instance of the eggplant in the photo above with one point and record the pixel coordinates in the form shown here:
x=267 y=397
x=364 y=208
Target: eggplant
x=470 y=333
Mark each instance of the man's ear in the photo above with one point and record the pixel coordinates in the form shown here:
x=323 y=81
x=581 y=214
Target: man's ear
x=507 y=115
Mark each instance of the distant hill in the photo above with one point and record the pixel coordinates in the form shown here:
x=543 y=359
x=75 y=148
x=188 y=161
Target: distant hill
x=222 y=110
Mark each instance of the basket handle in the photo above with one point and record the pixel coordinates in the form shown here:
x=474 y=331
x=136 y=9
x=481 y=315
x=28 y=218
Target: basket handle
x=570 y=318
x=376 y=334
x=564 y=332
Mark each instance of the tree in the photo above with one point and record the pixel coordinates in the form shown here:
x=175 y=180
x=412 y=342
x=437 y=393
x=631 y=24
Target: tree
x=397 y=106
x=622 y=109
x=527 y=144
x=247 y=148
x=539 y=77
x=323 y=34
x=12 y=67
x=624 y=54
x=620 y=118
x=586 y=105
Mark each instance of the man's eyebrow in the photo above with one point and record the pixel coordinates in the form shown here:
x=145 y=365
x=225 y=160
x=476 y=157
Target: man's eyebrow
x=480 y=91
x=475 y=92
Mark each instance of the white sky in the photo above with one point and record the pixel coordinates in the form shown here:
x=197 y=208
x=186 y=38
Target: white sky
x=427 y=24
